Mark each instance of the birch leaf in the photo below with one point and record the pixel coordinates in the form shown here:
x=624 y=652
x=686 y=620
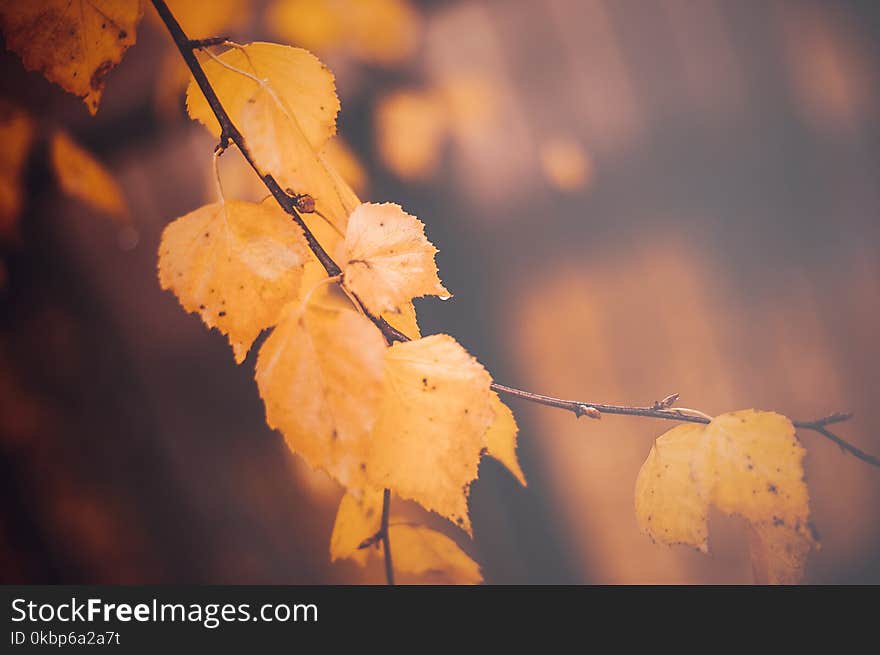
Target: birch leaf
x=284 y=102
x=671 y=504
x=387 y=260
x=746 y=463
x=281 y=149
x=436 y=408
x=302 y=84
x=320 y=376
x=236 y=264
x=73 y=43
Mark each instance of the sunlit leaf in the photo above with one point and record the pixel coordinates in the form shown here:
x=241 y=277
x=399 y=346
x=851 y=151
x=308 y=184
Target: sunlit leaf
x=302 y=84
x=236 y=264
x=284 y=102
x=387 y=260
x=436 y=408
x=320 y=376
x=746 y=463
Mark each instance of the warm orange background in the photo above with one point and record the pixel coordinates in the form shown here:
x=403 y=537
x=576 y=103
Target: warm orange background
x=720 y=241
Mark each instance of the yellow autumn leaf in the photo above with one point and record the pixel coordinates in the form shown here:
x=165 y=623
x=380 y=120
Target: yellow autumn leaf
x=357 y=519
x=745 y=463
x=404 y=320
x=284 y=102
x=236 y=264
x=303 y=86
x=416 y=550
x=74 y=43
x=387 y=260
x=425 y=552
x=320 y=377
x=501 y=439
x=671 y=504
x=436 y=408
x=85 y=178
x=16 y=135
x=279 y=148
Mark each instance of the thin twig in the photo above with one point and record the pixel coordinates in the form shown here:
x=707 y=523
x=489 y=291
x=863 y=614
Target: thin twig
x=664 y=410
x=211 y=41
x=386 y=536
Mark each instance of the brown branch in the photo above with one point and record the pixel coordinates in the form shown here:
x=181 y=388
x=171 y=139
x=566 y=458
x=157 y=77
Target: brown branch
x=664 y=410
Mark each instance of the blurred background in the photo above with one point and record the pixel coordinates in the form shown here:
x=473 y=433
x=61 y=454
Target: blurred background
x=630 y=199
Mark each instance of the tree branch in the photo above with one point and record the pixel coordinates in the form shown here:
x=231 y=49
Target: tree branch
x=664 y=410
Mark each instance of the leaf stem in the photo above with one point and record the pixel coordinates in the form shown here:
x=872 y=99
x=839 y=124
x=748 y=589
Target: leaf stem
x=386 y=536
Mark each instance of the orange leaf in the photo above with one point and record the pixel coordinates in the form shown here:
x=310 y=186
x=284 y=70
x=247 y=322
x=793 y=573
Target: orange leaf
x=74 y=43
x=387 y=260
x=236 y=264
